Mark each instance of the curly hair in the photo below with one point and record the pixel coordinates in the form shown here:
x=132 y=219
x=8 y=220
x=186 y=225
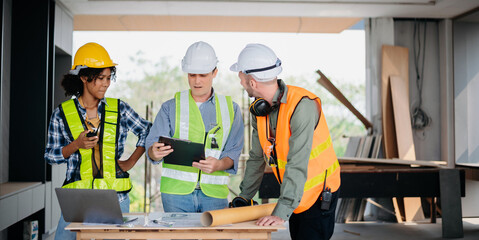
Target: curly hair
x=73 y=85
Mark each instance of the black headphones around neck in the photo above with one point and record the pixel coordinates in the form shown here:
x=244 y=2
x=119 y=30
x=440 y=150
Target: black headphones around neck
x=260 y=107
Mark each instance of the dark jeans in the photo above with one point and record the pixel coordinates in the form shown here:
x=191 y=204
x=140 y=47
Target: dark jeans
x=314 y=223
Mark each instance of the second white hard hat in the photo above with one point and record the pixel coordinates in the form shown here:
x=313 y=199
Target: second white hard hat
x=200 y=58
x=259 y=61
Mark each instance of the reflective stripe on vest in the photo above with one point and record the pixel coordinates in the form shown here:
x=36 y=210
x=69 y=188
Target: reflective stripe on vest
x=321 y=158
x=108 y=147
x=314 y=152
x=211 y=179
x=193 y=177
x=319 y=179
x=189 y=125
x=180 y=175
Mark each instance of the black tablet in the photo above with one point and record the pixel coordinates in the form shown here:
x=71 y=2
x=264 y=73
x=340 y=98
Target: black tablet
x=184 y=152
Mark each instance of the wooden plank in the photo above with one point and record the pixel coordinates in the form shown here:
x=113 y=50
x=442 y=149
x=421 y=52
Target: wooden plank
x=366 y=147
x=249 y=225
x=212 y=23
x=341 y=211
x=326 y=83
x=438 y=164
x=345 y=206
x=360 y=147
x=361 y=205
x=377 y=146
x=244 y=230
x=172 y=235
x=352 y=147
x=402 y=119
x=398 y=209
x=356 y=167
x=394 y=62
x=413 y=209
x=405 y=142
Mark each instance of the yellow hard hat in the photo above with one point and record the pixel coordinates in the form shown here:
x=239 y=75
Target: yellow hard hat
x=92 y=55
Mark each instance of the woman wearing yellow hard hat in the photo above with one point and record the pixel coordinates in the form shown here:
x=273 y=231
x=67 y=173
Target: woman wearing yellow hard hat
x=88 y=132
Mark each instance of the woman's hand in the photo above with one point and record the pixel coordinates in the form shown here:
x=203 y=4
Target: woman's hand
x=82 y=141
x=125 y=166
x=85 y=142
x=132 y=160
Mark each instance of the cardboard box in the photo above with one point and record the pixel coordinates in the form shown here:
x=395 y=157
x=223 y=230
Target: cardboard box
x=30 y=230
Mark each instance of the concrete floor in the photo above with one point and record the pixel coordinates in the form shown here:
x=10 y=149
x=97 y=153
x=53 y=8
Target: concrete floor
x=393 y=231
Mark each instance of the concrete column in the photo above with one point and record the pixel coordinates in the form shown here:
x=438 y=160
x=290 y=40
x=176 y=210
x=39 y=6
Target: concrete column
x=446 y=79
x=379 y=31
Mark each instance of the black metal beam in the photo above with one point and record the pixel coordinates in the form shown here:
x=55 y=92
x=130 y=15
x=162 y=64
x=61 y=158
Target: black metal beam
x=451 y=201
x=413 y=183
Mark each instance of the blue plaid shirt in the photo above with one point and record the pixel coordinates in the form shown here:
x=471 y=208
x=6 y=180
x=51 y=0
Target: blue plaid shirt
x=164 y=125
x=58 y=137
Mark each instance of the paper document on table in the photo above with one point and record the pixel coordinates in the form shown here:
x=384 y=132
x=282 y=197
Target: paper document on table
x=174 y=216
x=161 y=223
x=176 y=220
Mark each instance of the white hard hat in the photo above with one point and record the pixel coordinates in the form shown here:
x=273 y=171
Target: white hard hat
x=259 y=61
x=199 y=58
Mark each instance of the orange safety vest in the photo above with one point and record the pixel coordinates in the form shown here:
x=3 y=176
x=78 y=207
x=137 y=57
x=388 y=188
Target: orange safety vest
x=322 y=155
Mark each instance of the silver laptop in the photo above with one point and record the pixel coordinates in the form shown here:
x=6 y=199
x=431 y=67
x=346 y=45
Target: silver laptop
x=90 y=206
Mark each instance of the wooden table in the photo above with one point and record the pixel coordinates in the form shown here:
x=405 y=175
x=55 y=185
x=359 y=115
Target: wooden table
x=370 y=180
x=363 y=181
x=245 y=230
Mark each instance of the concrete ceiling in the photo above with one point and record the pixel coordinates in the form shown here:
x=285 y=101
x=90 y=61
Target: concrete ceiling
x=472 y=17
x=300 y=16
x=278 y=8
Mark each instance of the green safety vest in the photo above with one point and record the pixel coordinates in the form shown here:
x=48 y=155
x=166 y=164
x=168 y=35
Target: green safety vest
x=108 y=140
x=182 y=180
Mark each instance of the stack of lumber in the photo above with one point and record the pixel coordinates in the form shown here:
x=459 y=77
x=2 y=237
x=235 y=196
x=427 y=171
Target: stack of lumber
x=364 y=147
x=396 y=140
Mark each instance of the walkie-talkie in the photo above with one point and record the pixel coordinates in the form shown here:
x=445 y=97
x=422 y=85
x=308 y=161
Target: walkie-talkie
x=326 y=195
x=94 y=132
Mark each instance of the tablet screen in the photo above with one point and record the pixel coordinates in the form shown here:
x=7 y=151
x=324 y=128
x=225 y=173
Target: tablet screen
x=185 y=152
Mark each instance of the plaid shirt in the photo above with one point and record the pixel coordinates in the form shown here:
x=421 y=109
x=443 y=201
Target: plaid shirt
x=58 y=137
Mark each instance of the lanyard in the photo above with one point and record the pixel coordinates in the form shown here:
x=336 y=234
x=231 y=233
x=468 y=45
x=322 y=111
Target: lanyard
x=273 y=160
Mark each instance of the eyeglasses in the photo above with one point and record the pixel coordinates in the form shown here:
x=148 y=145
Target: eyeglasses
x=269 y=153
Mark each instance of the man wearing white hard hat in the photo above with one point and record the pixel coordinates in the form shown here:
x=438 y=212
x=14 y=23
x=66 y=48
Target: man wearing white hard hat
x=199 y=115
x=291 y=135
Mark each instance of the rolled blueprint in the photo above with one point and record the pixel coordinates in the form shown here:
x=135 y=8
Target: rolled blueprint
x=236 y=215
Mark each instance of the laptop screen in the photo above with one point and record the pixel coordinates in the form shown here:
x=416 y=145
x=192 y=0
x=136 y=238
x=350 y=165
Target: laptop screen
x=89 y=205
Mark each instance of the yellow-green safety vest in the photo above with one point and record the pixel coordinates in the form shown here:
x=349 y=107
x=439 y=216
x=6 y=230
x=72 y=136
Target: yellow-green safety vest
x=182 y=180
x=108 y=140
